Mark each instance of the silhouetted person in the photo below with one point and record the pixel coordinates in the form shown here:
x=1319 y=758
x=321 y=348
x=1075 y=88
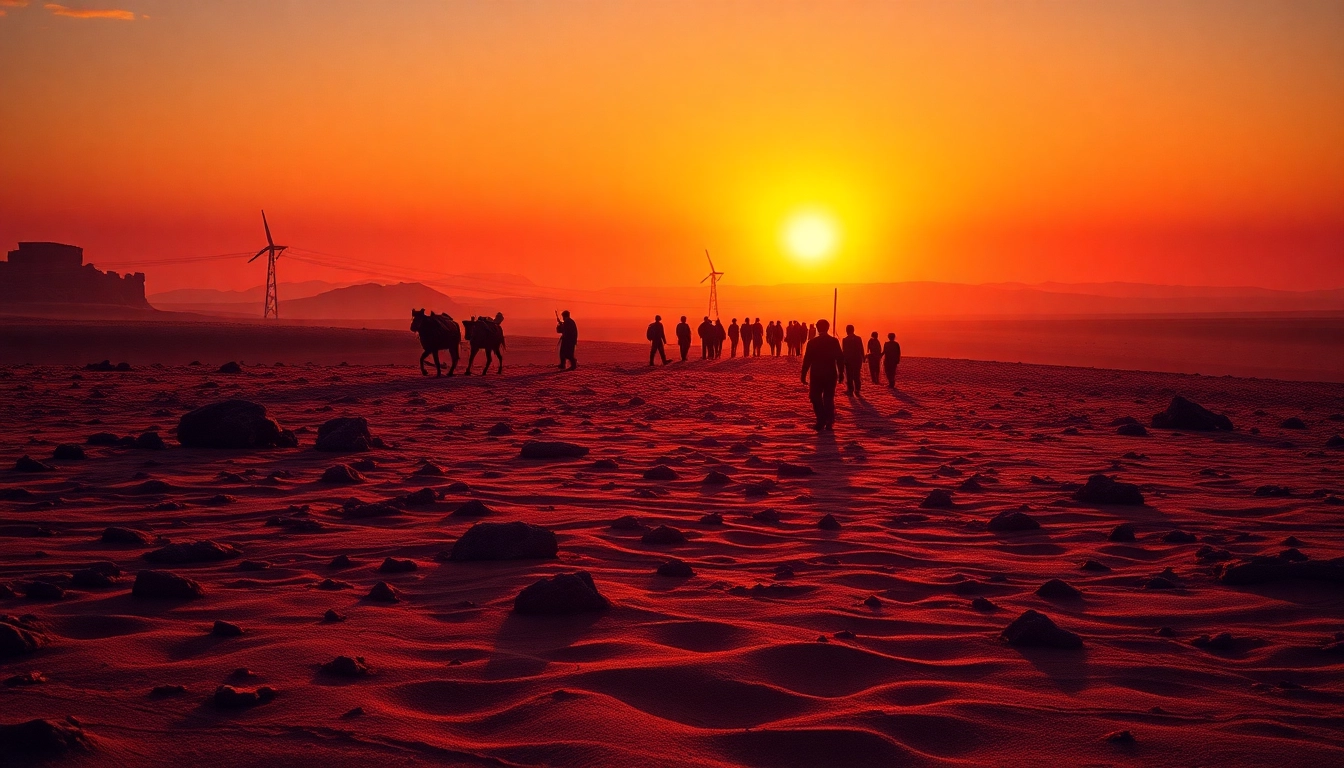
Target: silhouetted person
x=812 y=331
x=658 y=337
x=684 y=338
x=875 y=358
x=733 y=332
x=826 y=361
x=891 y=357
x=569 y=339
x=719 y=335
x=706 y=333
x=757 y=337
x=853 y=349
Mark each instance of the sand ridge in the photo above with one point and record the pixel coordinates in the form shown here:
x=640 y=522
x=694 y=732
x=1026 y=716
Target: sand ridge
x=790 y=644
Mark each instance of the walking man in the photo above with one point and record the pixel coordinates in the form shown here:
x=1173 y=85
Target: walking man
x=658 y=337
x=891 y=357
x=853 y=349
x=569 y=339
x=732 y=337
x=875 y=358
x=826 y=361
x=684 y=338
x=757 y=337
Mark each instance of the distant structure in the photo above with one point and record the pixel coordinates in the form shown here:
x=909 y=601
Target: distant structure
x=713 y=278
x=55 y=273
x=272 y=305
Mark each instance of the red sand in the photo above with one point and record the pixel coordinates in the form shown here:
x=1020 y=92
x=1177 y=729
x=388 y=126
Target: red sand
x=686 y=671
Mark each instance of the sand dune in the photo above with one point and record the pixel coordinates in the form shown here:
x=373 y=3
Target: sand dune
x=876 y=644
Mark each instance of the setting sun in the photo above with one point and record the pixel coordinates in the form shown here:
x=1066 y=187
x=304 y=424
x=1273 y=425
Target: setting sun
x=810 y=236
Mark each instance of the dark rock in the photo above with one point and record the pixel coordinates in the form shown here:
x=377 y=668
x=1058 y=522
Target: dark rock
x=1273 y=491
x=716 y=478
x=938 y=498
x=67 y=452
x=253 y=565
x=786 y=469
x=102 y=438
x=1223 y=642
x=230 y=367
x=1292 y=422
x=1033 y=629
x=43 y=738
x=361 y=511
x=711 y=518
x=430 y=469
x=20 y=635
x=627 y=523
x=393 y=565
x=676 y=568
x=29 y=464
x=421 y=498
x=546 y=449
x=1057 y=589
x=117 y=535
x=1132 y=430
x=236 y=424
x=1335 y=441
x=342 y=474
x=25 y=679
x=96 y=576
x=345 y=666
x=500 y=429
x=1095 y=567
x=604 y=464
x=1187 y=415
x=472 y=508
x=1208 y=554
x=564 y=593
x=983 y=605
x=664 y=535
x=504 y=541
x=1120 y=737
x=828 y=523
x=1122 y=533
x=332 y=585
x=1101 y=489
x=1009 y=520
x=42 y=590
x=873 y=601
x=345 y=434
x=1160 y=582
x=1179 y=537
x=195 y=552
x=1263 y=570
x=661 y=473
x=341 y=561
x=226 y=629
x=164 y=691
x=332 y=617
x=165 y=585
x=149 y=441
x=228 y=697
x=383 y=592
x=770 y=516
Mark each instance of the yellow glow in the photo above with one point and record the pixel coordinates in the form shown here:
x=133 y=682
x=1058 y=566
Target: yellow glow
x=810 y=236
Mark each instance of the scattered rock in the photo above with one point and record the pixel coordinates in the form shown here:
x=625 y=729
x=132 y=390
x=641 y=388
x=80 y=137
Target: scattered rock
x=96 y=576
x=235 y=424
x=357 y=510
x=1292 y=422
x=42 y=590
x=421 y=498
x=25 y=679
x=346 y=434
x=1095 y=567
x=1263 y=570
x=627 y=523
x=149 y=441
x=332 y=617
x=711 y=518
x=20 y=635
x=604 y=464
x=393 y=565
x=504 y=541
x=228 y=697
x=938 y=498
x=828 y=523
x=983 y=605
x=102 y=439
x=1335 y=441
x=1057 y=589
x=786 y=469
x=117 y=535
x=564 y=593
x=1223 y=642
x=28 y=464
x=1122 y=533
x=230 y=367
x=383 y=592
x=195 y=552
x=664 y=535
x=661 y=473
x=1179 y=537
x=67 y=452
x=1101 y=489
x=345 y=666
x=676 y=568
x=1273 y=491
x=165 y=585
x=472 y=508
x=164 y=691
x=500 y=429
x=342 y=474
x=1010 y=520
x=43 y=738
x=716 y=478
x=1033 y=629
x=547 y=449
x=1120 y=737
x=770 y=516
x=1184 y=414
x=226 y=629
x=1132 y=430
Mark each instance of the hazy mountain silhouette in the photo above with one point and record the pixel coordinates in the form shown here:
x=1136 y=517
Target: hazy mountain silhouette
x=184 y=296
x=368 y=301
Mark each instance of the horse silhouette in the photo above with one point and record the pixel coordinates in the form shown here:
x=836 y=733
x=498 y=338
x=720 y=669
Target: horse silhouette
x=436 y=332
x=487 y=334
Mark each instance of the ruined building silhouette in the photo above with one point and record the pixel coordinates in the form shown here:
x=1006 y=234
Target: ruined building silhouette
x=54 y=273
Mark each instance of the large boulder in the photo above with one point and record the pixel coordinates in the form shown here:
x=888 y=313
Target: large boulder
x=1033 y=629
x=232 y=424
x=1263 y=570
x=1188 y=415
x=564 y=593
x=20 y=635
x=504 y=541
x=42 y=739
x=1101 y=489
x=165 y=585
x=552 y=449
x=345 y=434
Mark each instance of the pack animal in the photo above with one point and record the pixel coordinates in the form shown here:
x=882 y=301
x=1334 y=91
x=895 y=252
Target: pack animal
x=437 y=332
x=487 y=334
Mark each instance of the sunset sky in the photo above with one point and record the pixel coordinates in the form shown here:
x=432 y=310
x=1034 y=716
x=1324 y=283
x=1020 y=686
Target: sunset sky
x=608 y=143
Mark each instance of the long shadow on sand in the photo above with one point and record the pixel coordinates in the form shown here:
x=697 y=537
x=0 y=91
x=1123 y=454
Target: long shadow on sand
x=523 y=642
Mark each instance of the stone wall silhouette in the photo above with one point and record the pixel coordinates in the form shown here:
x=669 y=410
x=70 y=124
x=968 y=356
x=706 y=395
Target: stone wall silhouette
x=55 y=273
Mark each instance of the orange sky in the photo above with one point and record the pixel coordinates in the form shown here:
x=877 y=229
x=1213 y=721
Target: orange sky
x=606 y=143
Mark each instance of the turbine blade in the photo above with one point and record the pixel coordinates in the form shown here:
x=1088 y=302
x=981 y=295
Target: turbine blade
x=711 y=261
x=707 y=277
x=254 y=258
x=269 y=241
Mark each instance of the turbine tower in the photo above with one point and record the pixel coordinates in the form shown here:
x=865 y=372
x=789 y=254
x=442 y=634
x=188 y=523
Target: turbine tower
x=713 y=278
x=273 y=251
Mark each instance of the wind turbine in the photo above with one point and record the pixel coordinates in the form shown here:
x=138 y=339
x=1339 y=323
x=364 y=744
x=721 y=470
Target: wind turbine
x=272 y=308
x=713 y=278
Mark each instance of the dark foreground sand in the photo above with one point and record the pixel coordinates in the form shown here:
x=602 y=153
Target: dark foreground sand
x=789 y=646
